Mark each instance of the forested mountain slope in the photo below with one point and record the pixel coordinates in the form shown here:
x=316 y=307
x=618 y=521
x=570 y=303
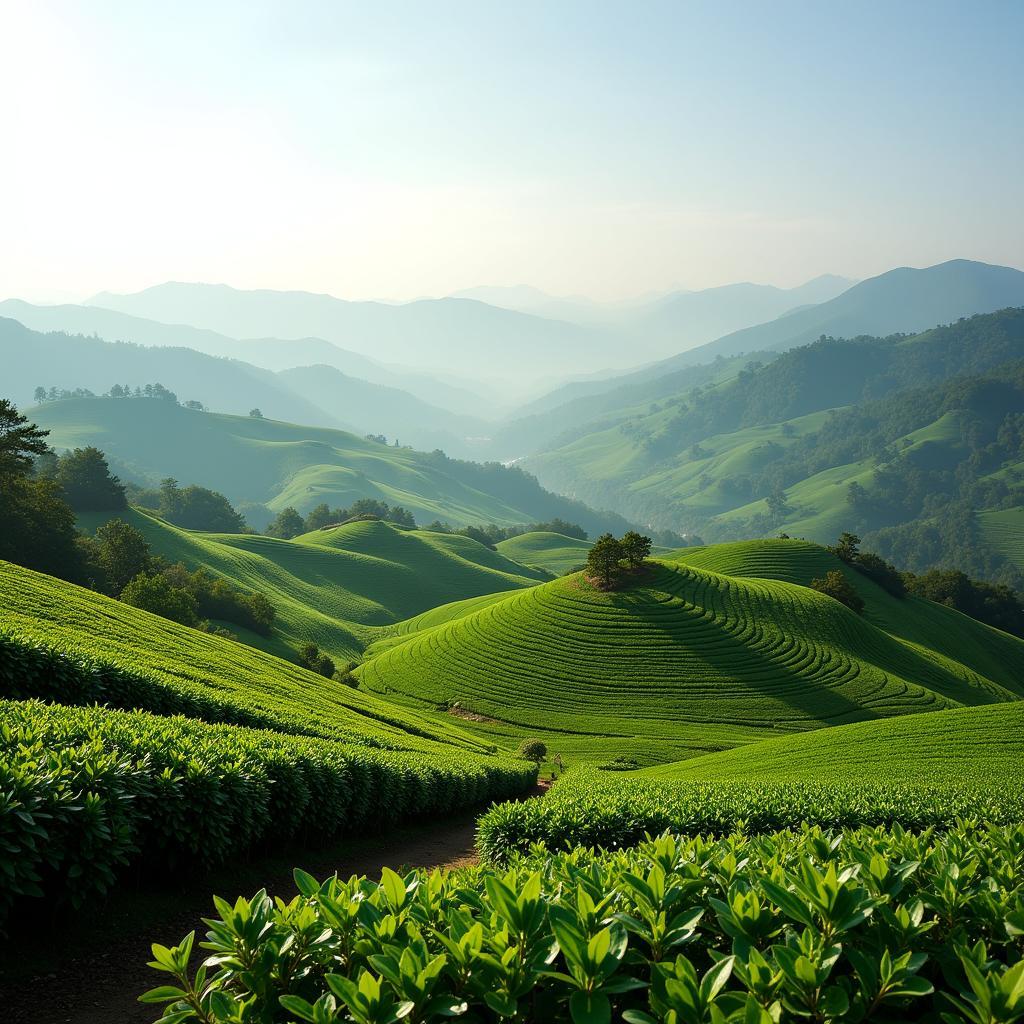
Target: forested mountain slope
x=867 y=434
x=277 y=464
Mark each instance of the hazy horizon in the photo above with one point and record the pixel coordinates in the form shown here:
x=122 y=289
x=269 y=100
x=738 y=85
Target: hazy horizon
x=403 y=153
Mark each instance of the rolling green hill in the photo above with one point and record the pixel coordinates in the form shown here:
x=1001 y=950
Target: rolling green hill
x=336 y=587
x=978 y=745
x=253 y=460
x=928 y=626
x=692 y=659
x=170 y=664
x=552 y=551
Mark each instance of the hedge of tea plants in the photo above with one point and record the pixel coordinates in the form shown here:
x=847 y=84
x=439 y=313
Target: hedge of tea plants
x=813 y=925
x=86 y=791
x=591 y=808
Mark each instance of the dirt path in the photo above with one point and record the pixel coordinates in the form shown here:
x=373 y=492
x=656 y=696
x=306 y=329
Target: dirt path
x=90 y=969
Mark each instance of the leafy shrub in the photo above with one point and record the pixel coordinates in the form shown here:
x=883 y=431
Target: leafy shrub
x=315 y=660
x=810 y=925
x=85 y=791
x=156 y=594
x=837 y=586
x=532 y=750
x=602 y=810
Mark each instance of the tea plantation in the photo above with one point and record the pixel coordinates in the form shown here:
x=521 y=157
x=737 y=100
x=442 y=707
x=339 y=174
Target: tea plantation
x=797 y=926
x=687 y=659
x=919 y=771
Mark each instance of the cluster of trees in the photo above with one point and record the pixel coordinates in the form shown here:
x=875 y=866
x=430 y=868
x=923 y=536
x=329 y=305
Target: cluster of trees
x=289 y=523
x=39 y=496
x=121 y=564
x=605 y=558
x=84 y=479
x=992 y=603
x=311 y=657
x=192 y=507
x=835 y=585
x=42 y=394
x=491 y=535
x=37 y=525
x=876 y=568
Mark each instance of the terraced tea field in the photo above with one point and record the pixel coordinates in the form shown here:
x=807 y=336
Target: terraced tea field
x=687 y=660
x=933 y=628
x=1003 y=531
x=163 y=666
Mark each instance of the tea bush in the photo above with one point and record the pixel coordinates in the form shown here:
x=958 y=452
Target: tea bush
x=810 y=925
x=85 y=791
x=601 y=810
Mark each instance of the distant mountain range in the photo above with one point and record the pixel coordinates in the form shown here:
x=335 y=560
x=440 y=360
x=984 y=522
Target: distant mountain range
x=676 y=320
x=319 y=381
x=269 y=353
x=320 y=396
x=463 y=337
x=905 y=300
x=517 y=336
x=901 y=301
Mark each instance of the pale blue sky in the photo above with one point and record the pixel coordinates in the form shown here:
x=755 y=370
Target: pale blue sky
x=405 y=149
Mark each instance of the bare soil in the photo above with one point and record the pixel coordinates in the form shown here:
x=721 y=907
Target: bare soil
x=90 y=967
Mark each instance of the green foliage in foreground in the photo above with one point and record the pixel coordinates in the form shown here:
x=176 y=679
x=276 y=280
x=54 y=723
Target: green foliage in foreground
x=600 y=810
x=811 y=925
x=84 y=792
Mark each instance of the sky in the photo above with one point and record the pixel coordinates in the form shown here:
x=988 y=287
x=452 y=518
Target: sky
x=398 y=150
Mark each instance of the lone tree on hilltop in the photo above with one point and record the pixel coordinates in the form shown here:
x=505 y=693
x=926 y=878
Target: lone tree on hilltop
x=836 y=586
x=635 y=548
x=532 y=750
x=603 y=559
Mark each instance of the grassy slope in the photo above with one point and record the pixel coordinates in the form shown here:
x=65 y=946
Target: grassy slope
x=692 y=660
x=35 y=608
x=271 y=462
x=336 y=587
x=702 y=481
x=940 y=632
x=552 y=551
x=1003 y=531
x=981 y=744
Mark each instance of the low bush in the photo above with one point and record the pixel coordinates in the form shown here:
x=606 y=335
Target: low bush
x=810 y=925
x=609 y=811
x=85 y=791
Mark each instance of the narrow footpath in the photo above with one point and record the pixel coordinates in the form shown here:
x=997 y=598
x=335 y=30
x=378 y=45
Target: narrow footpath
x=90 y=969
